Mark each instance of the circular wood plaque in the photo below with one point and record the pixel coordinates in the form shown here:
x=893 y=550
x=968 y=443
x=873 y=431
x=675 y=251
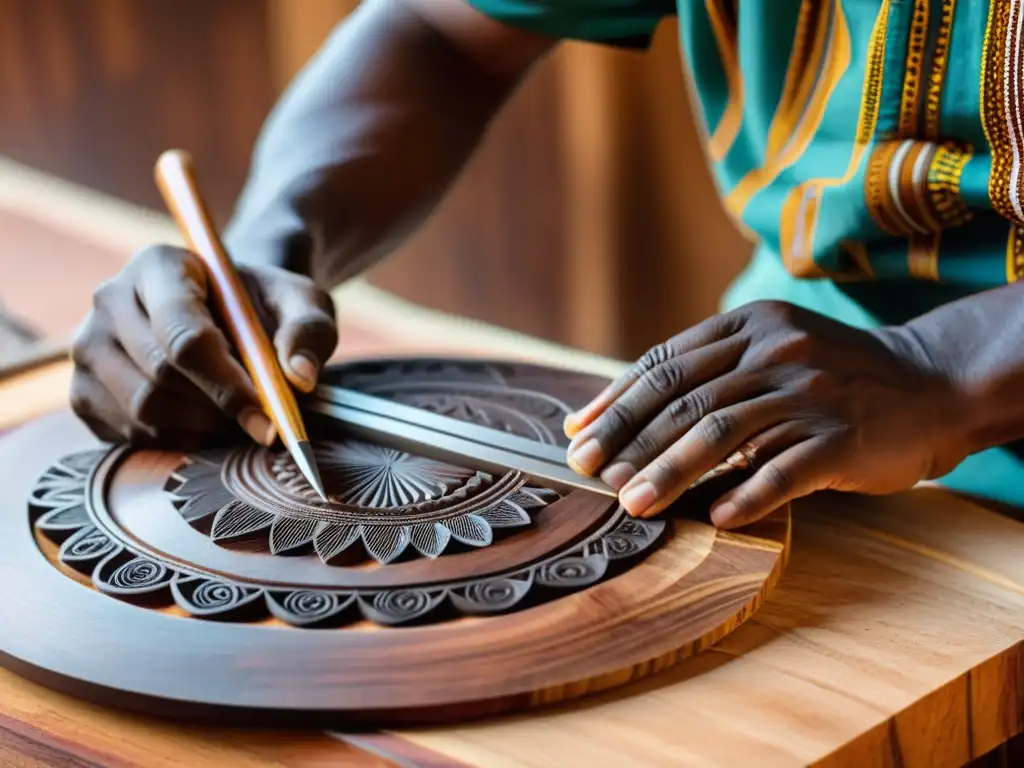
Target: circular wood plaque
x=459 y=569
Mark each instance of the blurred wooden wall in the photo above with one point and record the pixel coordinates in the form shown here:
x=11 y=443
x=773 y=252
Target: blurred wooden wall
x=588 y=217
x=93 y=90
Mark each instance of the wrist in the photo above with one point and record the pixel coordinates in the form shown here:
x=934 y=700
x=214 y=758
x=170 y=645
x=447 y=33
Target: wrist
x=962 y=418
x=980 y=406
x=267 y=232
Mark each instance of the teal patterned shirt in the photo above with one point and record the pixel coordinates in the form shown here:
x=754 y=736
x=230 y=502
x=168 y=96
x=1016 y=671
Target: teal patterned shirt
x=872 y=148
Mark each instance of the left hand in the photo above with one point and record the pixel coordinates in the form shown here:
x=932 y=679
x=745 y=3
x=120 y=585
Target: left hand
x=813 y=403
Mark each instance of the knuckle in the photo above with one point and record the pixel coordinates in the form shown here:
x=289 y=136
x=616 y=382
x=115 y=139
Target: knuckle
x=777 y=480
x=141 y=399
x=698 y=404
x=665 y=379
x=105 y=294
x=182 y=339
x=733 y=321
x=617 y=418
x=668 y=474
x=679 y=413
x=159 y=365
x=80 y=347
x=157 y=255
x=323 y=301
x=657 y=355
x=716 y=428
x=315 y=324
x=84 y=344
x=772 y=308
x=79 y=399
x=794 y=346
x=817 y=382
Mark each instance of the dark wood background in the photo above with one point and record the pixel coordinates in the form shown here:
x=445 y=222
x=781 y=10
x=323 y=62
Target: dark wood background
x=588 y=218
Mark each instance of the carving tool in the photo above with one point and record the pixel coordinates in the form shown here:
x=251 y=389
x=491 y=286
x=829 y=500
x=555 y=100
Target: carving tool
x=176 y=178
x=416 y=429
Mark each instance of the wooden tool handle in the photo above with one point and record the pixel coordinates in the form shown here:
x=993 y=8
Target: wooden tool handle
x=175 y=176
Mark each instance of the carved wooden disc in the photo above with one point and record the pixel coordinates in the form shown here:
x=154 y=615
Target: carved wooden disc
x=457 y=569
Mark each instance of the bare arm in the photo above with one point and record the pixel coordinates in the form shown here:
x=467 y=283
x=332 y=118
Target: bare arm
x=371 y=134
x=357 y=153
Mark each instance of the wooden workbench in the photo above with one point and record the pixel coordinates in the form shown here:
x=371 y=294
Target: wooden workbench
x=893 y=639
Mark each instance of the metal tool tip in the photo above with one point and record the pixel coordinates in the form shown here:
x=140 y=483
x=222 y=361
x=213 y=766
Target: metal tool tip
x=303 y=455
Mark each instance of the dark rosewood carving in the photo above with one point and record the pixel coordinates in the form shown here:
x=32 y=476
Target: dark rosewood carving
x=382 y=501
x=62 y=506
x=118 y=551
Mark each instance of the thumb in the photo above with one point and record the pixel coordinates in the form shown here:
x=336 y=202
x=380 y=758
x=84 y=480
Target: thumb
x=304 y=329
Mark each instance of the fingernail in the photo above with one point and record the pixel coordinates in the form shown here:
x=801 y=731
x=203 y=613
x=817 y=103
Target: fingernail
x=723 y=515
x=259 y=427
x=618 y=474
x=586 y=456
x=305 y=369
x=571 y=425
x=638 y=498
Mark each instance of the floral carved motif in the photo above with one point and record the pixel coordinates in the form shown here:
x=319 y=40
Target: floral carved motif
x=62 y=509
x=381 y=501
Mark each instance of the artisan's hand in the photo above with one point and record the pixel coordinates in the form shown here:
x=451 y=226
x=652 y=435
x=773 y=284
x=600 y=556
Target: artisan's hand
x=152 y=367
x=816 y=404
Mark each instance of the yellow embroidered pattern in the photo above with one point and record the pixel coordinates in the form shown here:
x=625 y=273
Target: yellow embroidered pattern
x=944 y=185
x=1000 y=70
x=722 y=15
x=909 y=109
x=940 y=62
x=876 y=189
x=913 y=187
x=1015 y=254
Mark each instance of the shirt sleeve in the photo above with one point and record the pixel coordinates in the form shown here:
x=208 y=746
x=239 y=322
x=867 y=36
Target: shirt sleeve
x=622 y=23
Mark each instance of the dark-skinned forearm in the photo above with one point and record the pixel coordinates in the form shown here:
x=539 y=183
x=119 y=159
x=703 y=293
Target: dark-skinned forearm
x=978 y=343
x=363 y=145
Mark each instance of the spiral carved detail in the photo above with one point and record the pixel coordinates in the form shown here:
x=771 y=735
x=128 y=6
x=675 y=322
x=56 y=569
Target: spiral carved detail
x=217 y=594
x=308 y=606
x=572 y=572
x=622 y=546
x=138 y=574
x=494 y=595
x=402 y=605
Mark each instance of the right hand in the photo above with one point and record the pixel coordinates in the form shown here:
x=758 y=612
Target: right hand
x=153 y=368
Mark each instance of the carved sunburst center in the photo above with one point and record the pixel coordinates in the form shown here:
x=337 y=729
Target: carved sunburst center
x=365 y=483
x=387 y=499
x=370 y=476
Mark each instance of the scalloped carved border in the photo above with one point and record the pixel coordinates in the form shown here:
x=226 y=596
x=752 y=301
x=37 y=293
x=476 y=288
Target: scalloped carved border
x=61 y=508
